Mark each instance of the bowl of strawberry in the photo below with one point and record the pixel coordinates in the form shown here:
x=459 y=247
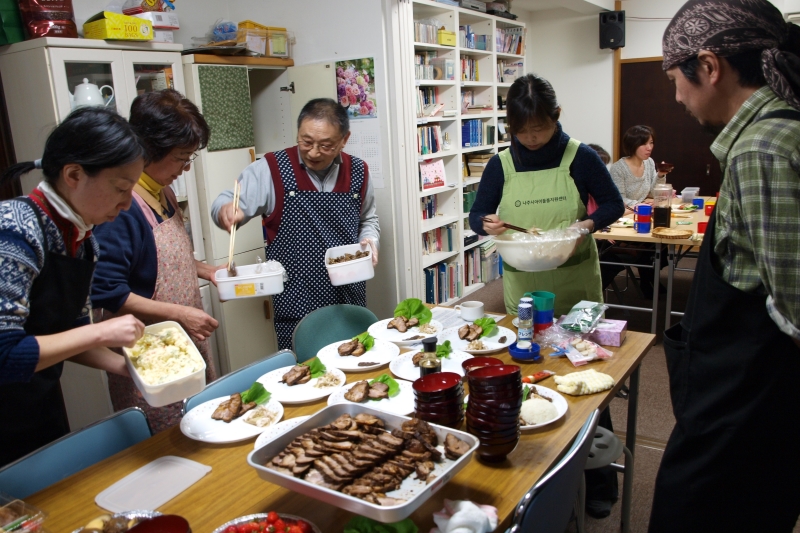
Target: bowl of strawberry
x=271 y=522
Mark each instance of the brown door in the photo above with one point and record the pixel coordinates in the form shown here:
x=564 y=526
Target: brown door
x=648 y=97
x=7 y=158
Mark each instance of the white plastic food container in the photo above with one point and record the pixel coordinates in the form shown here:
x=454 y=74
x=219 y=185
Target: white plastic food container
x=248 y=283
x=349 y=271
x=689 y=193
x=171 y=391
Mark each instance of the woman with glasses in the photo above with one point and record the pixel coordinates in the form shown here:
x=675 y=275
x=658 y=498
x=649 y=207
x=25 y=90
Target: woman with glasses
x=312 y=197
x=147 y=267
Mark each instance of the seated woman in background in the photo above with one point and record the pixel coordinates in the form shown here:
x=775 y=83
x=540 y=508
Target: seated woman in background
x=635 y=174
x=146 y=265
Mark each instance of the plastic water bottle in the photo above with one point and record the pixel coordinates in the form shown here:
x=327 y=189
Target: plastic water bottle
x=525 y=328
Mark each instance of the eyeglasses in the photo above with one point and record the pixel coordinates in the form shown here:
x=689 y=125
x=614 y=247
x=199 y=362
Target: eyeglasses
x=187 y=162
x=326 y=148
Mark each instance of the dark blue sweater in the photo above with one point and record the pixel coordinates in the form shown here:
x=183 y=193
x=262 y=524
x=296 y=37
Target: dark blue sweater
x=590 y=174
x=128 y=260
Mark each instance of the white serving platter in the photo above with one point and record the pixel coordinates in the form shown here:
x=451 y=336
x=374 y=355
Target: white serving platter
x=402 y=404
x=380 y=331
x=492 y=341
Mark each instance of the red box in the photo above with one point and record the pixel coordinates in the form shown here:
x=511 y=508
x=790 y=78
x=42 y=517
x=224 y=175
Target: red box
x=709 y=209
x=701 y=227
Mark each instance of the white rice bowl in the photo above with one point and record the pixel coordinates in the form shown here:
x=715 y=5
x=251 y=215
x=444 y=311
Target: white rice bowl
x=537 y=411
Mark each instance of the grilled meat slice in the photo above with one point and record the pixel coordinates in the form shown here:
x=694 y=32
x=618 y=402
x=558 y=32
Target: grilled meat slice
x=301 y=458
x=413 y=321
x=327 y=472
x=391 y=441
x=415 y=425
x=315 y=476
x=454 y=447
x=415 y=446
x=329 y=436
x=463 y=331
x=285 y=461
x=436 y=454
x=474 y=333
x=347 y=348
x=358 y=392
x=417 y=357
x=364 y=419
x=424 y=469
x=400 y=434
x=386 y=501
x=345 y=446
x=359 y=491
x=417 y=456
x=229 y=409
x=343 y=422
x=298 y=374
x=351 y=434
x=246 y=407
x=337 y=468
x=398 y=323
x=359 y=350
x=378 y=391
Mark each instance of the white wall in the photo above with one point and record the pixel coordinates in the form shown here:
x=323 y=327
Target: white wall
x=563 y=47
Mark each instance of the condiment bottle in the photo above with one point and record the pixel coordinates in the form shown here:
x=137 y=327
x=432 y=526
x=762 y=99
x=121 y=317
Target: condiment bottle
x=429 y=344
x=662 y=205
x=525 y=327
x=429 y=363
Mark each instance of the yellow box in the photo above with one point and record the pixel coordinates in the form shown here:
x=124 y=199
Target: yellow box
x=447 y=38
x=114 y=26
x=270 y=41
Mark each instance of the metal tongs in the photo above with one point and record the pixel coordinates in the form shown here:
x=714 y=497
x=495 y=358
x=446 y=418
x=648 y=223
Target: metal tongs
x=231 y=263
x=533 y=231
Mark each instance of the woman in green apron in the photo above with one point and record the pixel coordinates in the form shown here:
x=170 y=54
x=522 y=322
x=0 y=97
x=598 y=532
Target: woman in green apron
x=546 y=180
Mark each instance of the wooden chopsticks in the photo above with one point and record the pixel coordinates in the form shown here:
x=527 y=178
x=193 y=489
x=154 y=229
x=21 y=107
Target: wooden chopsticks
x=231 y=265
x=515 y=228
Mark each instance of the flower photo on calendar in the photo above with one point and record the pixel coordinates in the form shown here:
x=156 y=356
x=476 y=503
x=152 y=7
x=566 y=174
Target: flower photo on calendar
x=355 y=86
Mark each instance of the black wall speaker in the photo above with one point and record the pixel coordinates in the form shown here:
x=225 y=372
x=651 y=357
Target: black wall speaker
x=612 y=29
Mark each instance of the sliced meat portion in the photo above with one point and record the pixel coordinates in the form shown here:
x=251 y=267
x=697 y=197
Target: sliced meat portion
x=400 y=434
x=343 y=422
x=413 y=321
x=364 y=419
x=378 y=391
x=474 y=333
x=229 y=409
x=386 y=501
x=246 y=407
x=347 y=347
x=391 y=441
x=435 y=454
x=463 y=331
x=331 y=436
x=421 y=429
x=359 y=350
x=298 y=374
x=415 y=446
x=359 y=491
x=454 y=447
x=350 y=434
x=299 y=470
x=417 y=357
x=398 y=323
x=358 y=392
x=424 y=469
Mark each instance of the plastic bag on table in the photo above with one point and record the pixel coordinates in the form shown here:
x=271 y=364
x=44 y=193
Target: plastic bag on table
x=584 y=316
x=565 y=342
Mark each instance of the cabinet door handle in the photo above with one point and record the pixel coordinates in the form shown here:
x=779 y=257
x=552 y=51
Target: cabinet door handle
x=267 y=313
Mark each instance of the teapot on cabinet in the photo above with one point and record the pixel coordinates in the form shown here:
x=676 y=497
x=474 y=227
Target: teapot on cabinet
x=89 y=94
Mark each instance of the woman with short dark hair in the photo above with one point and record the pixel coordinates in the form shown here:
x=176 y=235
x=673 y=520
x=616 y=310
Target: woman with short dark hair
x=635 y=174
x=90 y=163
x=147 y=266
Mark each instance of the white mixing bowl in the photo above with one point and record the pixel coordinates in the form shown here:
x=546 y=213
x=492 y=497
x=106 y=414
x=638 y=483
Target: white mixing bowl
x=536 y=253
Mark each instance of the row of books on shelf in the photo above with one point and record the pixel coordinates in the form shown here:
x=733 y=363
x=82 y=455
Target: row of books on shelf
x=469 y=69
x=428 y=66
x=475 y=132
x=510 y=40
x=425 y=32
x=468 y=39
x=430 y=206
x=440 y=239
x=443 y=282
x=473 y=165
x=482 y=264
x=509 y=71
x=469 y=199
x=429 y=139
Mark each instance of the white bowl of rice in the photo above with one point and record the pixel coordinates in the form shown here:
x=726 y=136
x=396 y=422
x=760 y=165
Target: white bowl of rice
x=165 y=364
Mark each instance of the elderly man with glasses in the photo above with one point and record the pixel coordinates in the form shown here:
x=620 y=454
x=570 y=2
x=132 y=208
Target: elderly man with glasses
x=311 y=197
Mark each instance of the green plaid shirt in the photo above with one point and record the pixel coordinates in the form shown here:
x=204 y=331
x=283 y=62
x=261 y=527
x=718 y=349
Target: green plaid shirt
x=757 y=238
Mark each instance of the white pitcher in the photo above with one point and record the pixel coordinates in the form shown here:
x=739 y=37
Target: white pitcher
x=88 y=94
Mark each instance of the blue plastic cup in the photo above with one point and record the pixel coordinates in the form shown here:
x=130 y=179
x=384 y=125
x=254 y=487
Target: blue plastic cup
x=642 y=227
x=699 y=203
x=543 y=317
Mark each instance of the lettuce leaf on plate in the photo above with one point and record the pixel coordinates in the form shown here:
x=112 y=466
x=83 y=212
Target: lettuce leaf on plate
x=413 y=307
x=256 y=393
x=488 y=325
x=316 y=366
x=526 y=391
x=394 y=387
x=366 y=339
x=444 y=350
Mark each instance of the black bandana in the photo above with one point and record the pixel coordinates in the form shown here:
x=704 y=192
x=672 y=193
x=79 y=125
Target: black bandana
x=730 y=27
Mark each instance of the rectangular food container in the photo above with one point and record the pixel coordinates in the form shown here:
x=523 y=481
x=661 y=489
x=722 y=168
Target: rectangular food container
x=414 y=491
x=248 y=283
x=349 y=271
x=16 y=515
x=171 y=391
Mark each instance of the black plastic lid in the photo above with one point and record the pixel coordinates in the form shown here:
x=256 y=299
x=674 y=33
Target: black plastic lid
x=429 y=344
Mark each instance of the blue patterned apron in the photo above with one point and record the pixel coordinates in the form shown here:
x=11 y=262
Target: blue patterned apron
x=308 y=222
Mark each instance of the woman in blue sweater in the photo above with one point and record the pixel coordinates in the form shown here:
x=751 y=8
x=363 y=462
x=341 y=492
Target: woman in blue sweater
x=546 y=180
x=47 y=252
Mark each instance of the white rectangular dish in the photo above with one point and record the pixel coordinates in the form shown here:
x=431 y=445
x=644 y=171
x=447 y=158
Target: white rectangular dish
x=248 y=283
x=349 y=271
x=415 y=492
x=171 y=391
x=152 y=485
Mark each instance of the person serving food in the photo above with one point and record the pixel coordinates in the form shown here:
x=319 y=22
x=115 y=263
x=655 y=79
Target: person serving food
x=312 y=197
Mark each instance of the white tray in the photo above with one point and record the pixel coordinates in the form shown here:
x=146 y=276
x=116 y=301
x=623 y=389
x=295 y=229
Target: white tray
x=152 y=485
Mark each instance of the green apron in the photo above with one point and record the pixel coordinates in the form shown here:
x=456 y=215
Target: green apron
x=548 y=199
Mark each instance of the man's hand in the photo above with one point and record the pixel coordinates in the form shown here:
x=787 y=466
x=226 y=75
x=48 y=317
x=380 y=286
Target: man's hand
x=197 y=323
x=493 y=225
x=121 y=331
x=373 y=248
x=206 y=271
x=226 y=218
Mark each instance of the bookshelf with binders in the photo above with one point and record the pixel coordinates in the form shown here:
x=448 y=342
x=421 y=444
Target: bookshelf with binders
x=485 y=54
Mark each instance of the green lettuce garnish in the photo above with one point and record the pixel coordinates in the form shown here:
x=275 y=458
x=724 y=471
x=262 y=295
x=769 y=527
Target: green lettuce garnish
x=366 y=339
x=526 y=391
x=444 y=350
x=394 y=387
x=413 y=307
x=256 y=393
x=316 y=366
x=488 y=325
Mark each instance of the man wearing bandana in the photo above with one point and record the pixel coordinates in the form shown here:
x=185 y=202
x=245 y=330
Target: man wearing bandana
x=732 y=462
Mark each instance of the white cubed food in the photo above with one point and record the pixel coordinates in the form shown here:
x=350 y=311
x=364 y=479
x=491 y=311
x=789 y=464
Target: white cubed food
x=349 y=271
x=176 y=389
x=248 y=283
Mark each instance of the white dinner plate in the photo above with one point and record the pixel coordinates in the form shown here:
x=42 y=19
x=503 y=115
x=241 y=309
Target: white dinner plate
x=197 y=424
x=677 y=209
x=380 y=331
x=492 y=342
x=402 y=366
x=381 y=353
x=275 y=430
x=402 y=404
x=305 y=392
x=559 y=402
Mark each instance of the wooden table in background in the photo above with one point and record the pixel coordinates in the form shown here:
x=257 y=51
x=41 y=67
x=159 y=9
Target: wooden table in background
x=233 y=488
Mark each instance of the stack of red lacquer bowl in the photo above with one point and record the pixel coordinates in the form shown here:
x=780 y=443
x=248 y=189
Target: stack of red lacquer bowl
x=495 y=399
x=439 y=399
